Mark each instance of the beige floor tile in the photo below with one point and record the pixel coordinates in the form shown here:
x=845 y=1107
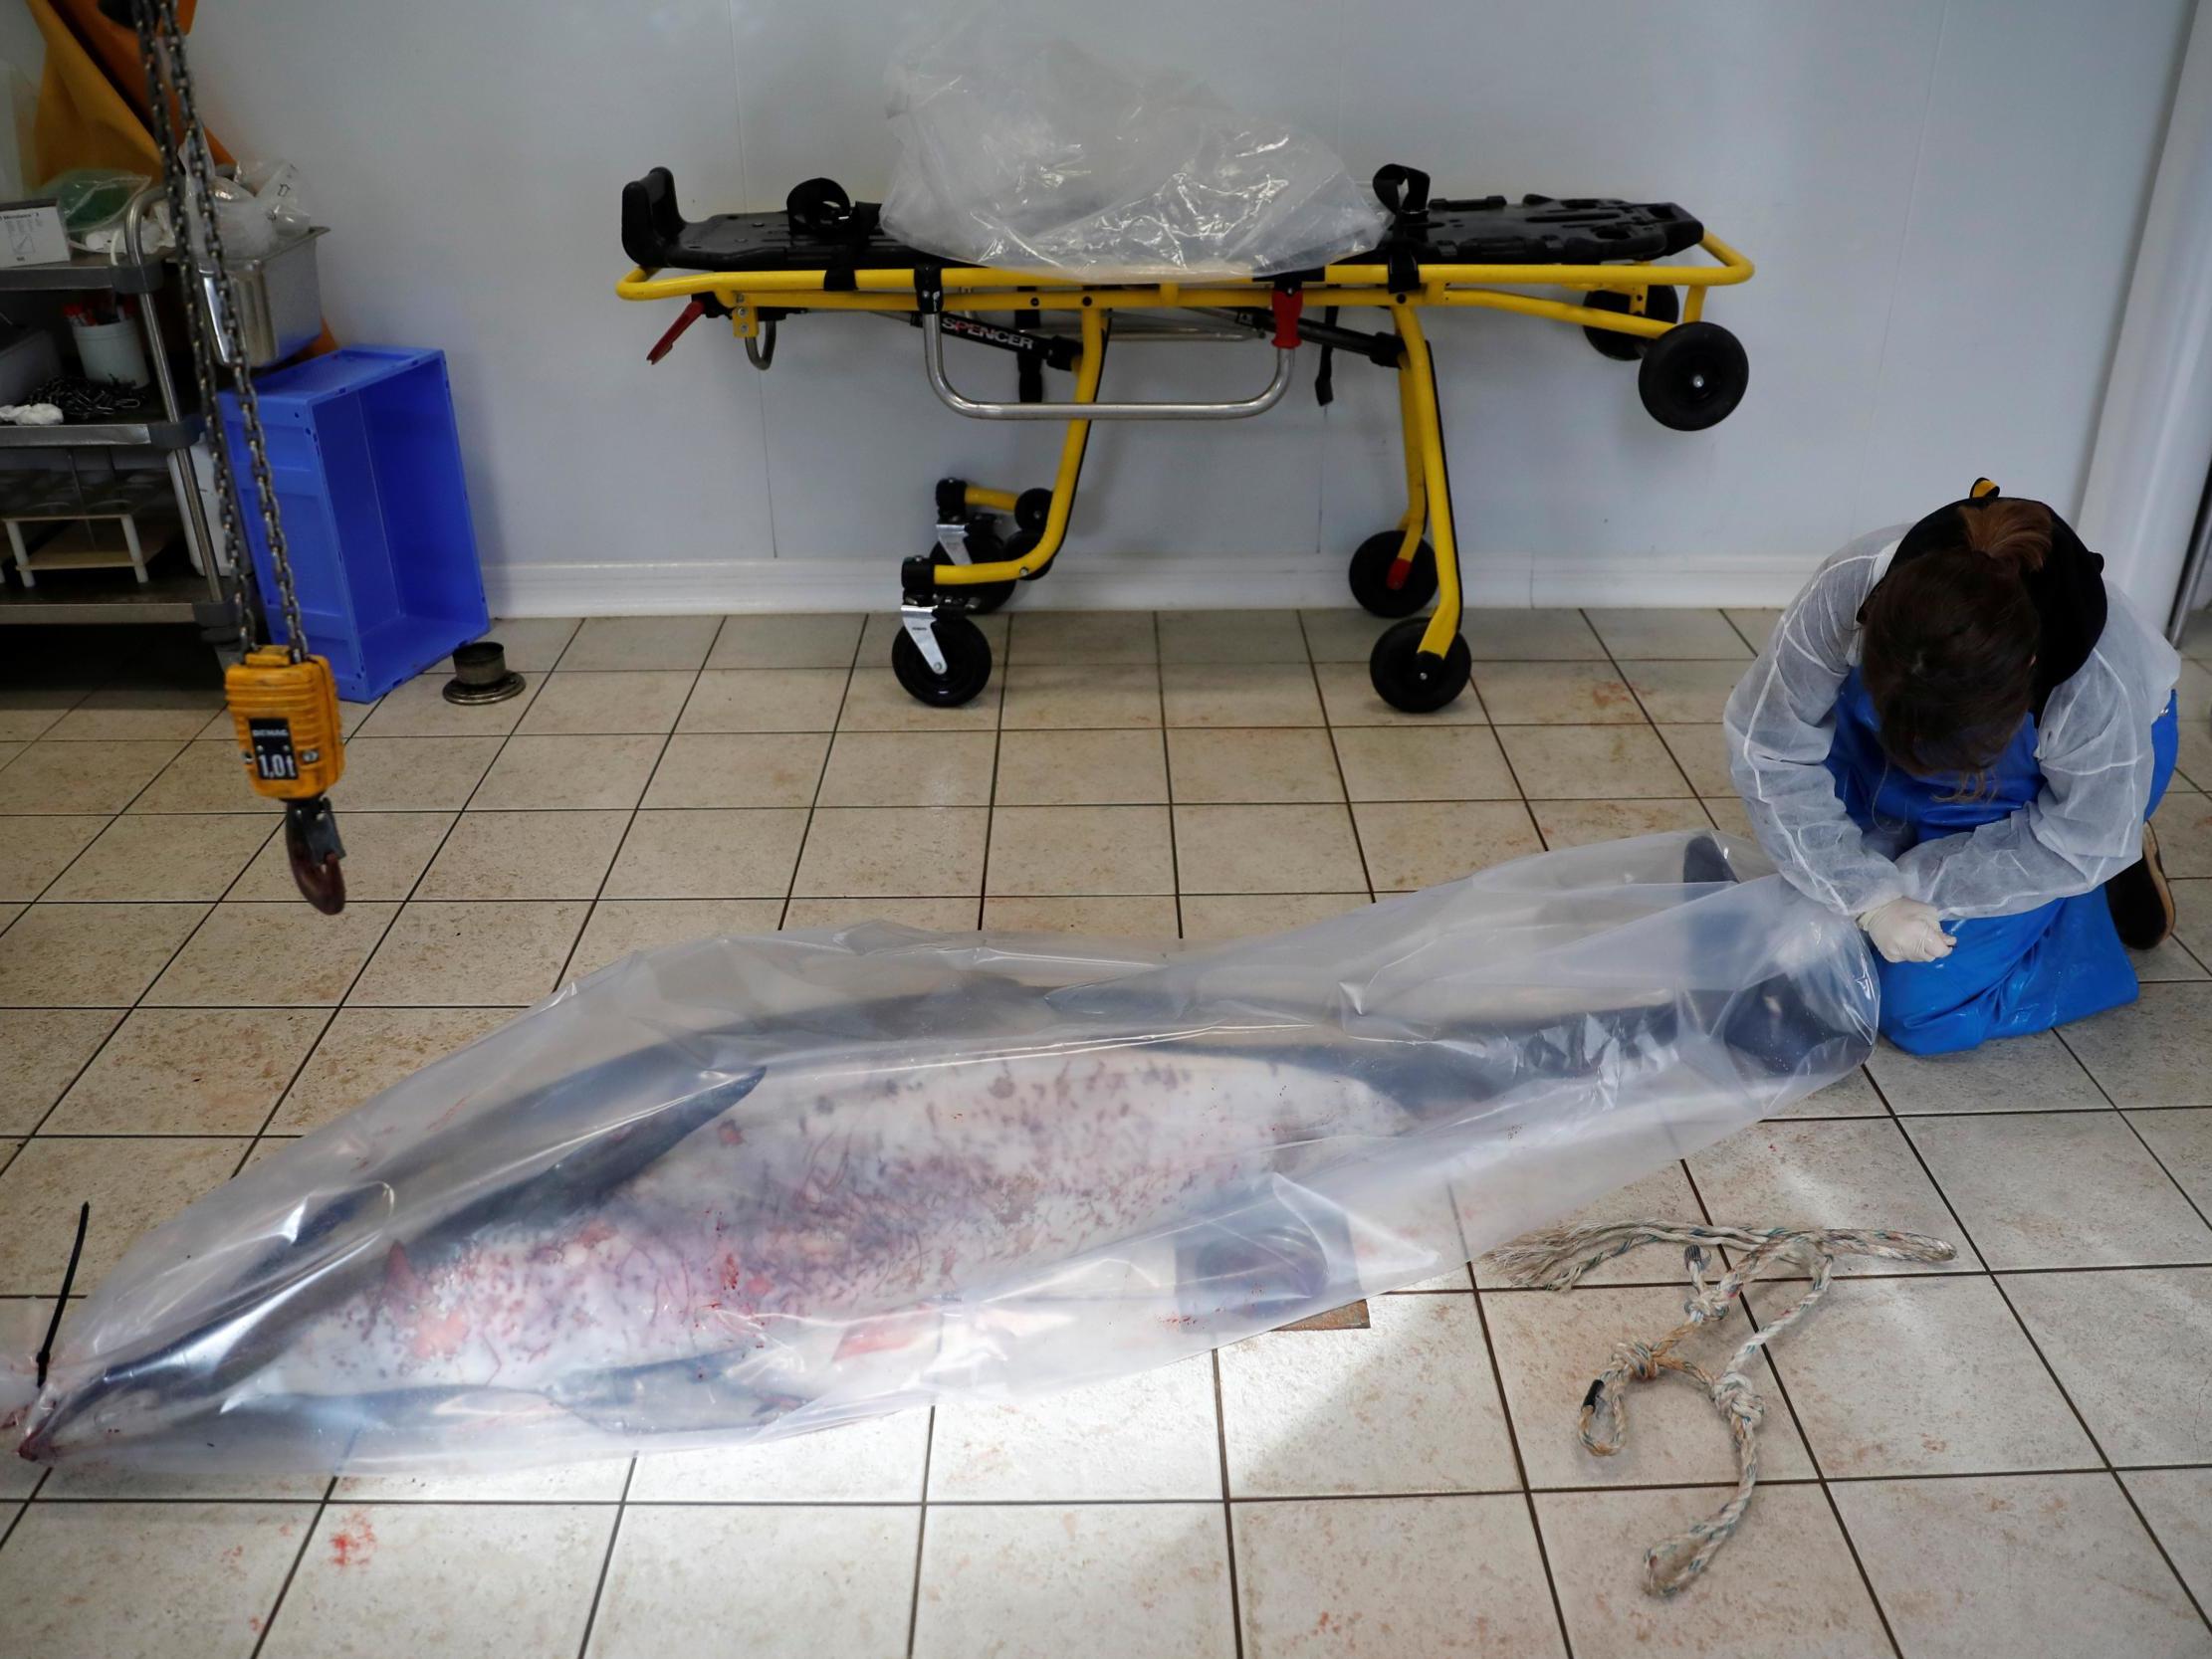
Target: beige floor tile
x=2019 y=1564
x=1138 y=1580
x=1413 y=844
x=1856 y=1173
x=201 y=1577
x=1679 y=693
x=190 y=1071
x=1211 y=916
x=41 y=1051
x=1341 y=636
x=572 y=773
x=1143 y=917
x=204 y=778
x=183 y=855
x=1081 y=768
x=798 y=640
x=131 y=1186
x=1066 y=696
x=488 y=1578
x=29 y=712
x=781 y=769
x=1727 y=813
x=2182 y=1142
x=1785 y=1587
x=1848 y=1097
x=2193 y=757
x=1048 y=851
x=1424 y=763
x=859 y=852
x=619 y=927
x=1349 y=696
x=2167 y=960
x=597 y=1482
x=577 y=703
x=2183 y=822
x=125 y=712
x=1407 y=1406
x=1668 y=633
x=824 y=1581
x=532 y=644
x=1279 y=764
x=1266 y=849
x=364 y=1051
x=2132 y=1350
x=876 y=701
x=35 y=847
x=1549 y=1345
x=247 y=955
x=93 y=777
x=1580 y=823
x=910 y=768
x=1239 y=693
x=1151 y=1435
x=1231 y=637
x=90 y=956
x=1413 y=1575
x=9 y=750
x=1530 y=636
x=765 y=699
x=1664 y=1194
x=642 y=642
x=418 y=708
x=2178 y=1505
x=1591 y=763
x=2156 y=1051
x=2020 y=1074
x=1064 y=637
x=1755 y=624
x=525 y=855
x=408 y=774
x=1895 y=1376
x=471 y=954
x=878 y=1460
x=1702 y=754
x=2067 y=1189
x=386 y=855
x=1556 y=694
x=955 y=914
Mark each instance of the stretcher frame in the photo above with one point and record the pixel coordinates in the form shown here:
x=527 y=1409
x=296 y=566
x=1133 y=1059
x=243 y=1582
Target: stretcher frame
x=961 y=289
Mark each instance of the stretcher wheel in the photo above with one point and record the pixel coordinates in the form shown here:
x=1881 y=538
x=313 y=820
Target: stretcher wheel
x=1693 y=377
x=1370 y=576
x=966 y=663
x=1411 y=679
x=1663 y=304
x=982 y=598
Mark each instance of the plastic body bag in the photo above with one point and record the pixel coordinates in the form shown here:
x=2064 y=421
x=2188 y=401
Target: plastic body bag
x=1025 y=151
x=752 y=1188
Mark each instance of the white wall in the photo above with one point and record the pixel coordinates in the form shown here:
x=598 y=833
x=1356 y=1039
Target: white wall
x=1942 y=198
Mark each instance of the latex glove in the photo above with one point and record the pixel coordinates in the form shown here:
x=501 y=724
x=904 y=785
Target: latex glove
x=1907 y=930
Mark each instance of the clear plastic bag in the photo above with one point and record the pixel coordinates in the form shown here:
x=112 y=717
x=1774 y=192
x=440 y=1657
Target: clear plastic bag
x=1022 y=150
x=751 y=1188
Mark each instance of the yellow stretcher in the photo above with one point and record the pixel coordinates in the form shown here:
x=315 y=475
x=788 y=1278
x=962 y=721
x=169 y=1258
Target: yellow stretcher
x=825 y=253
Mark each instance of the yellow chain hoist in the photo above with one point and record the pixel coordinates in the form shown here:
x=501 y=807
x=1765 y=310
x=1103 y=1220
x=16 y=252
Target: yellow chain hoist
x=282 y=700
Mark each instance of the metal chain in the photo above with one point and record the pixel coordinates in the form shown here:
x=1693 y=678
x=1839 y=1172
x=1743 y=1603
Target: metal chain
x=188 y=168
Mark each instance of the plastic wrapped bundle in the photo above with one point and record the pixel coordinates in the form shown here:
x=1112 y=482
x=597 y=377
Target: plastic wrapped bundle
x=1022 y=150
x=752 y=1188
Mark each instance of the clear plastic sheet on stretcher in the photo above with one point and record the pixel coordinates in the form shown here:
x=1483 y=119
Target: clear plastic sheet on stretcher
x=752 y=1188
x=1021 y=150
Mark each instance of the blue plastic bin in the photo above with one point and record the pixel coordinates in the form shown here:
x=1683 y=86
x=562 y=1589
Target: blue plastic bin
x=367 y=465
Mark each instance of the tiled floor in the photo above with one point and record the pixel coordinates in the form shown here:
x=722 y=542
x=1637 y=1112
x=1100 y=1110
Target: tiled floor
x=2013 y=1456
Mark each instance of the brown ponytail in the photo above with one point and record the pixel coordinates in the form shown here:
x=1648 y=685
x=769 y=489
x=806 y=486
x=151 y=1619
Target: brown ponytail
x=1950 y=642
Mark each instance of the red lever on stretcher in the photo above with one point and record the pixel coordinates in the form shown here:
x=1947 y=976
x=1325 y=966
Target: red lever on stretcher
x=1290 y=303
x=691 y=313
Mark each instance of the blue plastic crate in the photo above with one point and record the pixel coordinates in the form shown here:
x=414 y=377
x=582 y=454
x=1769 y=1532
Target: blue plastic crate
x=367 y=466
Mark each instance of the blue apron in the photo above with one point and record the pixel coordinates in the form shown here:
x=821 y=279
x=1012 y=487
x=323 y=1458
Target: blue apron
x=2006 y=976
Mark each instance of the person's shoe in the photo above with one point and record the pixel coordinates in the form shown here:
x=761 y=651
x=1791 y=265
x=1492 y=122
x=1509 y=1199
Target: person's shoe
x=2141 y=898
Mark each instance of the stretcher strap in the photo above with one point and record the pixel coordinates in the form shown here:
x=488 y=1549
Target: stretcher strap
x=1556 y=1260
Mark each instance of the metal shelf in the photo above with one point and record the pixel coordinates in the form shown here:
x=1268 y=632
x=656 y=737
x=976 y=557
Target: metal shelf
x=85 y=273
x=104 y=434
x=81 y=597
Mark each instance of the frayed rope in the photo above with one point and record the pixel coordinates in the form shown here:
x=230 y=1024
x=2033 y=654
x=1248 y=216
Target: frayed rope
x=1557 y=1260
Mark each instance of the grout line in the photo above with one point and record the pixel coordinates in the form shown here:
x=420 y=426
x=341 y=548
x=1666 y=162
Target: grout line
x=1521 y=1464
x=1228 y=1513
x=921 y=1533
x=814 y=802
x=1175 y=886
x=2096 y=1083
x=615 y=1533
x=307 y=1540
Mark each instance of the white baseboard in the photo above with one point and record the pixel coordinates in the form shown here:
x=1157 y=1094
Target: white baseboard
x=1126 y=582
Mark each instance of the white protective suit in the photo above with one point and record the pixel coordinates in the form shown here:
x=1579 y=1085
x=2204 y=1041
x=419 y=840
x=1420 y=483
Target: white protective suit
x=2094 y=749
